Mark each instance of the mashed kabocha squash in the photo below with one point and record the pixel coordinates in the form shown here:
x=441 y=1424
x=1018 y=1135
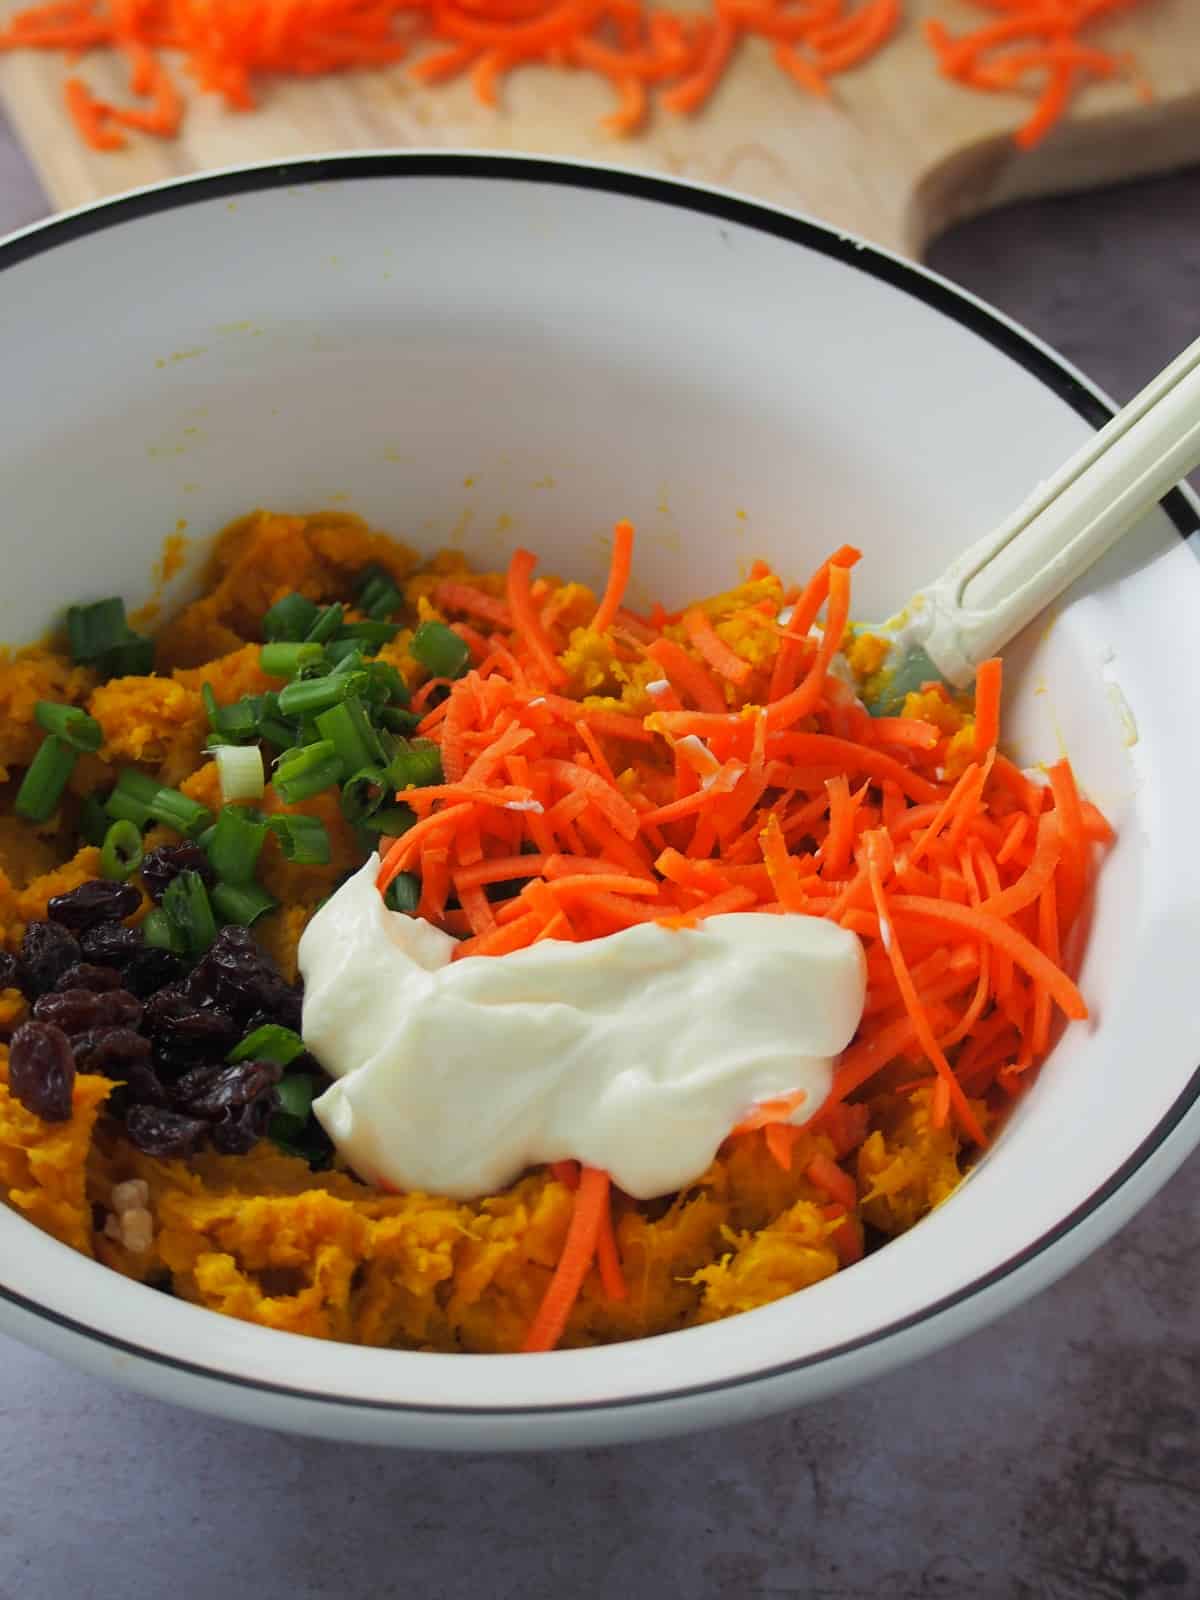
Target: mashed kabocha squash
x=731 y=735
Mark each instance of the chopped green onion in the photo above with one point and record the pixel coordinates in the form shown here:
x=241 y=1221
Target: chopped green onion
x=132 y=658
x=386 y=684
x=295 y=1094
x=236 y=844
x=95 y=629
x=290 y=618
x=242 y=903
x=234 y=724
x=186 y=903
x=327 y=624
x=42 y=786
x=160 y=932
x=285 y=660
x=140 y=799
x=301 y=773
x=378 y=595
x=301 y=699
x=240 y=770
x=355 y=740
x=303 y=840
x=364 y=793
x=394 y=820
x=94 y=820
x=403 y=893
x=370 y=635
x=352 y=661
x=70 y=723
x=439 y=650
x=339 y=650
x=271 y=1042
x=273 y=727
x=416 y=764
x=121 y=852
x=100 y=636
x=397 y=720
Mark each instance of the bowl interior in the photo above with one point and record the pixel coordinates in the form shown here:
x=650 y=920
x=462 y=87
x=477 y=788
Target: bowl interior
x=492 y=356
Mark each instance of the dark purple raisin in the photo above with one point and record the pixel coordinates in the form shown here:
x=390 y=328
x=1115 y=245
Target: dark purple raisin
x=109 y=1051
x=47 y=950
x=158 y=1132
x=9 y=978
x=184 y=1033
x=123 y=1055
x=150 y=970
x=241 y=1127
x=173 y=1013
x=240 y=976
x=77 y=1010
x=41 y=1070
x=163 y=865
x=98 y=900
x=111 y=944
x=72 y=1010
x=120 y=1009
x=209 y=1091
x=87 y=976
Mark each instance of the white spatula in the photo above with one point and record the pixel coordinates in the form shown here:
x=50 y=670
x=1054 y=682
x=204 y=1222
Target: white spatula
x=1006 y=578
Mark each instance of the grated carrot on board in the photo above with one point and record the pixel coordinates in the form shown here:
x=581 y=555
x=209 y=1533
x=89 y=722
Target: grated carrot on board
x=647 y=53
x=1034 y=46
x=564 y=819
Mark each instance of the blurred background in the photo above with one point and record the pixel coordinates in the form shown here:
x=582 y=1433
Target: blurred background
x=1057 y=1453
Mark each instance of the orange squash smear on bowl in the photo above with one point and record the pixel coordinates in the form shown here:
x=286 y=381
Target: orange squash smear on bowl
x=452 y=960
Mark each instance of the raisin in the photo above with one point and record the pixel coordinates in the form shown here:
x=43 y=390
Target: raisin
x=111 y=944
x=163 y=865
x=210 y=1091
x=173 y=1013
x=240 y=976
x=98 y=900
x=241 y=1127
x=41 y=1070
x=123 y=1055
x=47 y=950
x=77 y=1010
x=87 y=976
x=109 y=1051
x=73 y=1010
x=184 y=1033
x=158 y=1132
x=9 y=978
x=150 y=970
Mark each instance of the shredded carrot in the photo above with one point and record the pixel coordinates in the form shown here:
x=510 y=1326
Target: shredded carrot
x=644 y=51
x=1034 y=45
x=838 y=1185
x=714 y=650
x=618 y=577
x=526 y=619
x=761 y=795
x=987 y=706
x=688 y=676
x=578 y=1253
x=608 y=1258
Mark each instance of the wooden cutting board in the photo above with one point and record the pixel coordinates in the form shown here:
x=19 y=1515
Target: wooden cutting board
x=898 y=155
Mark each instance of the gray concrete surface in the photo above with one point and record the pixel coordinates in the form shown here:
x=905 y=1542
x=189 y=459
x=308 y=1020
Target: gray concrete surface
x=1054 y=1456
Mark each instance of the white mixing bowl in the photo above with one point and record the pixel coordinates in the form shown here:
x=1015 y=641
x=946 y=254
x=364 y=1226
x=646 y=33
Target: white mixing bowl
x=485 y=351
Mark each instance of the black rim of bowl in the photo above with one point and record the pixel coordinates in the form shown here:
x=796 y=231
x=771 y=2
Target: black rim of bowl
x=976 y=318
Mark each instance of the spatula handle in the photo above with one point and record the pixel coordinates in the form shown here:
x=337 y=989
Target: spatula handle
x=1068 y=523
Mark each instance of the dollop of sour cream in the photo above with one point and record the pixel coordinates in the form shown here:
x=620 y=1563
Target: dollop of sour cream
x=636 y=1053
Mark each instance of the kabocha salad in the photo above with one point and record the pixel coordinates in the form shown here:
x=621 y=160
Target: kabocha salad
x=638 y=976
